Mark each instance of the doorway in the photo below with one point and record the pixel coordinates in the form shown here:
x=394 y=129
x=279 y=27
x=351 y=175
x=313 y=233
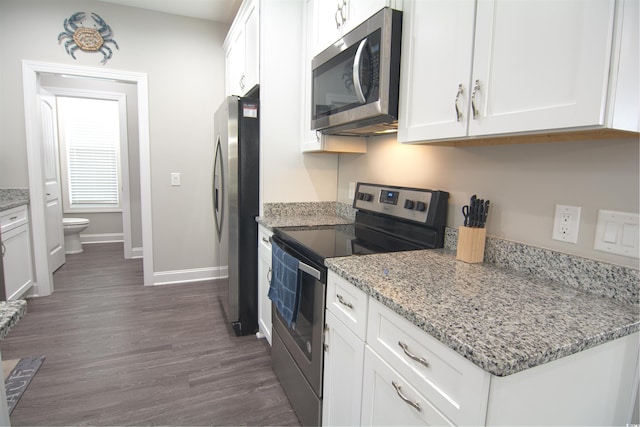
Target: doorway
x=32 y=74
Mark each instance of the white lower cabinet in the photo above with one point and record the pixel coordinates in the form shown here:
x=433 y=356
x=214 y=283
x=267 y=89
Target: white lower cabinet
x=343 y=363
x=264 y=280
x=388 y=398
x=387 y=371
x=16 y=252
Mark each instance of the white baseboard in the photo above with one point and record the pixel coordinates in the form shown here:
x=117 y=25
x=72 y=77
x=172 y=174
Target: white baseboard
x=102 y=238
x=192 y=275
x=136 y=252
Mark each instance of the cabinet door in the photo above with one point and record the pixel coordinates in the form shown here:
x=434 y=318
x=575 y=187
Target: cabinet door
x=264 y=280
x=18 y=273
x=343 y=364
x=437 y=42
x=388 y=399
x=327 y=23
x=251 y=49
x=234 y=58
x=540 y=65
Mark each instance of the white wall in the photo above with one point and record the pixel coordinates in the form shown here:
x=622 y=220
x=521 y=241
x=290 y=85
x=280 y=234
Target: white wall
x=523 y=181
x=184 y=60
x=287 y=175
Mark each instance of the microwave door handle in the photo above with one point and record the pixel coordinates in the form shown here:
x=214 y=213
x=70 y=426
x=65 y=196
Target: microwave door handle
x=356 y=72
x=309 y=270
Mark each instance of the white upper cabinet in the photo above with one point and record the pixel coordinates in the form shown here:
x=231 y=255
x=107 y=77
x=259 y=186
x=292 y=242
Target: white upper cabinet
x=242 y=50
x=521 y=67
x=334 y=18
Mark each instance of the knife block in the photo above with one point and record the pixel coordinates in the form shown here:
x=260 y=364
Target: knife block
x=471 y=244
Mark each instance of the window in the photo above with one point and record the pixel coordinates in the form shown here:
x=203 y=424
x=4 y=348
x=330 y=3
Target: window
x=90 y=153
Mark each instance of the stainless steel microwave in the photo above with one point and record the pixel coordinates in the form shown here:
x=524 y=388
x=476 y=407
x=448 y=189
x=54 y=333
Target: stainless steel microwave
x=356 y=80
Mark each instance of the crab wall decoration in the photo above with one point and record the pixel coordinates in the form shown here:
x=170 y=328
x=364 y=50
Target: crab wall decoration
x=85 y=38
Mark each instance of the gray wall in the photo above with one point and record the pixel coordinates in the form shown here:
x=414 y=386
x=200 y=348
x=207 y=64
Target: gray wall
x=523 y=181
x=184 y=61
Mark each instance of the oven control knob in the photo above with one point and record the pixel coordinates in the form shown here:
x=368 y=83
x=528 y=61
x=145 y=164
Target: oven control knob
x=408 y=204
x=421 y=207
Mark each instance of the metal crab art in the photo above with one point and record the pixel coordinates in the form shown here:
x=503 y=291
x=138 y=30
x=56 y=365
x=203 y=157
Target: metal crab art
x=85 y=38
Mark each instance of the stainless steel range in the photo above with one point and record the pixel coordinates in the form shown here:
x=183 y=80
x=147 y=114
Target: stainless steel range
x=388 y=219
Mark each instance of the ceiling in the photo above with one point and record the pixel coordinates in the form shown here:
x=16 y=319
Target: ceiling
x=212 y=10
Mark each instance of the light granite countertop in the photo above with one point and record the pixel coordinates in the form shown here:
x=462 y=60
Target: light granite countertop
x=13 y=197
x=10 y=313
x=305 y=214
x=503 y=321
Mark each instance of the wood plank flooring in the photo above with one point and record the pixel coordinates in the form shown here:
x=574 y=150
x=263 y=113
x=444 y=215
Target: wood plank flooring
x=120 y=353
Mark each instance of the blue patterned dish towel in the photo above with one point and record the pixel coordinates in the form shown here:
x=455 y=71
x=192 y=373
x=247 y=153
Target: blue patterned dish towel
x=284 y=289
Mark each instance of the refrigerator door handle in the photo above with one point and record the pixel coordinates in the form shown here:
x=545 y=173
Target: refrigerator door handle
x=218 y=189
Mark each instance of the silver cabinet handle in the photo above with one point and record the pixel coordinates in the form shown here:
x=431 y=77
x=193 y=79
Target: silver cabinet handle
x=269 y=276
x=343 y=302
x=242 y=82
x=416 y=405
x=264 y=239
x=476 y=89
x=325 y=345
x=337 y=15
x=455 y=103
x=4 y=249
x=418 y=359
x=356 y=72
x=13 y=218
x=343 y=11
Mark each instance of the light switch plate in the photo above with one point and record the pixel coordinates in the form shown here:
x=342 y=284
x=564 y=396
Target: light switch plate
x=175 y=179
x=618 y=233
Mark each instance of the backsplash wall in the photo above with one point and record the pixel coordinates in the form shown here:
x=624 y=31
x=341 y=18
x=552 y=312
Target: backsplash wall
x=523 y=181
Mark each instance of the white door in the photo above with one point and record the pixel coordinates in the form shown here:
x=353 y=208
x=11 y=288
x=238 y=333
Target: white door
x=53 y=200
x=540 y=64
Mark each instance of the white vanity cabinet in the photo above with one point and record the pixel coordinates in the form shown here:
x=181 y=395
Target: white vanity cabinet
x=474 y=68
x=345 y=332
x=16 y=251
x=241 y=47
x=264 y=280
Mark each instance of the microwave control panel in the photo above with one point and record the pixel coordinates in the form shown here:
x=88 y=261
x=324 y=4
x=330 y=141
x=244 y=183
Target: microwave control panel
x=412 y=204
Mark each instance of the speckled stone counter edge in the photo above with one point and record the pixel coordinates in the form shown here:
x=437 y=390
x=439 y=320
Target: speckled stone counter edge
x=13 y=197
x=306 y=214
x=10 y=313
x=597 y=277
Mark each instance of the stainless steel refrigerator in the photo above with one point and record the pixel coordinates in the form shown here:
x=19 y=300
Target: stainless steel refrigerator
x=235 y=202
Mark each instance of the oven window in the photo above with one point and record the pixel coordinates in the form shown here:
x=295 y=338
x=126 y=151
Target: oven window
x=302 y=329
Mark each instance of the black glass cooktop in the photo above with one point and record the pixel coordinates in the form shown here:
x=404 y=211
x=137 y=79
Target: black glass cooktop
x=342 y=240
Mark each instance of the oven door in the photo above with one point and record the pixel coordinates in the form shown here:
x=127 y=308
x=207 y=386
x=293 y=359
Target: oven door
x=297 y=354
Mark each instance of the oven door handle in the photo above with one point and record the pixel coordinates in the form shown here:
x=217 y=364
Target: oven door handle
x=309 y=270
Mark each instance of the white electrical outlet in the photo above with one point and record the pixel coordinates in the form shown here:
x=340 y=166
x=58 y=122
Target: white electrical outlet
x=566 y=223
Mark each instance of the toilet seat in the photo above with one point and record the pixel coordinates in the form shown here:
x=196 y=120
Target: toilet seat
x=74 y=221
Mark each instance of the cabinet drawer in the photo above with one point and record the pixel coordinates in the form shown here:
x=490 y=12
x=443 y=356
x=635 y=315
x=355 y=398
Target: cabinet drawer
x=388 y=399
x=13 y=218
x=264 y=238
x=452 y=383
x=347 y=303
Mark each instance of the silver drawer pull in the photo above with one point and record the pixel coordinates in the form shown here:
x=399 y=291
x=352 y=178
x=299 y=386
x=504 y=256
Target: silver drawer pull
x=418 y=359
x=264 y=239
x=13 y=218
x=343 y=302
x=416 y=405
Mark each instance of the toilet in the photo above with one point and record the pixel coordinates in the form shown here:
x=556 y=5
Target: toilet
x=72 y=228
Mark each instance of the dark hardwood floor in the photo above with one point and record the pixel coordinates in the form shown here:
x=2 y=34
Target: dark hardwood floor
x=120 y=353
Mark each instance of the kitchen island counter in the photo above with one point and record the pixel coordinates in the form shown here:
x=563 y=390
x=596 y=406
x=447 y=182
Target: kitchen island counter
x=502 y=321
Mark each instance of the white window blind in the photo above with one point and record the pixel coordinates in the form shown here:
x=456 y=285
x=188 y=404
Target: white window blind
x=91 y=139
